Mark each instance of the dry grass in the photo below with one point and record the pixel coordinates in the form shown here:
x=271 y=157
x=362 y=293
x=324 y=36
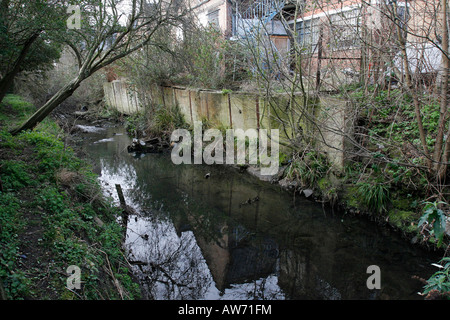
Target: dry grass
x=66 y=177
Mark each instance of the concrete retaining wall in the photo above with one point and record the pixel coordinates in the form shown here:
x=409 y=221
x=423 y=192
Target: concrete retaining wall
x=248 y=111
x=119 y=96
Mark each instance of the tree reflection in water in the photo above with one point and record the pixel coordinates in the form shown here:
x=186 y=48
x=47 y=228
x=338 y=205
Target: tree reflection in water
x=170 y=267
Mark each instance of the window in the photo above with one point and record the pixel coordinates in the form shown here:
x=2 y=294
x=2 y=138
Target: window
x=345 y=29
x=213 y=18
x=308 y=33
x=402 y=17
x=402 y=13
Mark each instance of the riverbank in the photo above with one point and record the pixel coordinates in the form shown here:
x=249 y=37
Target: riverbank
x=402 y=210
x=53 y=216
x=401 y=213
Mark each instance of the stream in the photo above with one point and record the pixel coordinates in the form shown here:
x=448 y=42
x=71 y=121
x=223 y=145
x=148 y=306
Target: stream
x=232 y=236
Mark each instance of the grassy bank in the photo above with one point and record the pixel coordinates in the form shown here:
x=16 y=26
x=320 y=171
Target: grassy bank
x=52 y=216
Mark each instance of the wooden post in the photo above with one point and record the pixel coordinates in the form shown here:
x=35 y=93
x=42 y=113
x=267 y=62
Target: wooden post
x=190 y=107
x=163 y=97
x=2 y=291
x=257 y=112
x=174 y=97
x=121 y=197
x=123 y=205
x=229 y=110
x=207 y=105
x=319 y=59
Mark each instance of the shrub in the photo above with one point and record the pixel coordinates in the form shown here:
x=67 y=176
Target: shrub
x=435 y=216
x=309 y=168
x=375 y=196
x=14 y=174
x=440 y=281
x=11 y=223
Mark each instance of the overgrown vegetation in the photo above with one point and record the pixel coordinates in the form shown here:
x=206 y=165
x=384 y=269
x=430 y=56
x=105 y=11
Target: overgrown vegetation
x=202 y=59
x=308 y=168
x=53 y=215
x=155 y=121
x=435 y=217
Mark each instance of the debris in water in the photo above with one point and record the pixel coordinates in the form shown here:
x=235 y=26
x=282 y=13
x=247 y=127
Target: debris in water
x=249 y=201
x=153 y=145
x=88 y=129
x=104 y=140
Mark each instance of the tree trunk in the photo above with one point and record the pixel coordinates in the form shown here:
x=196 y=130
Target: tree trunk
x=64 y=93
x=8 y=79
x=437 y=157
x=319 y=59
x=412 y=91
x=441 y=162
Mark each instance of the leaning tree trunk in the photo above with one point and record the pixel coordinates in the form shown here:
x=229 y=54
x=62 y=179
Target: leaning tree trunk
x=63 y=93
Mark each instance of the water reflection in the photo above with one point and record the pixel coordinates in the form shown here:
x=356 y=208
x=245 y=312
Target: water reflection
x=171 y=266
x=234 y=237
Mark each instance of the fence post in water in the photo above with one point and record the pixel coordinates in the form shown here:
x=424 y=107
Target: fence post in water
x=123 y=205
x=121 y=197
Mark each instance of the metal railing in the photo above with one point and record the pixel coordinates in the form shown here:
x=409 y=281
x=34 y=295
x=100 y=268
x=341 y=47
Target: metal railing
x=264 y=10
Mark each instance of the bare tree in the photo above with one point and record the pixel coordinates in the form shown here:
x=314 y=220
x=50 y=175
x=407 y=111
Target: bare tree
x=109 y=32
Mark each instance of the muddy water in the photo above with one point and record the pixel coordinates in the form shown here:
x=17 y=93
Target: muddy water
x=198 y=238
